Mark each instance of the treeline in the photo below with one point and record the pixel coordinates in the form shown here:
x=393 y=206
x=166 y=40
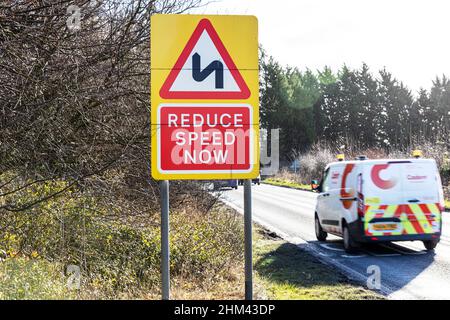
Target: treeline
x=351 y=107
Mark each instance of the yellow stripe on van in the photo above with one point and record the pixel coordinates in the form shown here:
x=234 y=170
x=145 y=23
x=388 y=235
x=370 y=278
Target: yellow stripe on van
x=407 y=225
x=367 y=217
x=370 y=214
x=390 y=211
x=420 y=216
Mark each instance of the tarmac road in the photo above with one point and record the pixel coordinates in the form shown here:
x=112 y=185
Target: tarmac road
x=407 y=270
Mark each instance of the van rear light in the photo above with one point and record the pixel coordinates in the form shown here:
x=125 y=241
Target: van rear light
x=361 y=213
x=374 y=239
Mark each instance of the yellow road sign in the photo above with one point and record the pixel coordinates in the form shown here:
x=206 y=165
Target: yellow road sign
x=204 y=97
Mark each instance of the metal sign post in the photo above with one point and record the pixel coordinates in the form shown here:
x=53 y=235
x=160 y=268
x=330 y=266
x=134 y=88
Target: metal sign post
x=165 y=251
x=248 y=239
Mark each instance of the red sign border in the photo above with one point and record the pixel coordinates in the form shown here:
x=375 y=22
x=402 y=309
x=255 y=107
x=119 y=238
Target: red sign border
x=165 y=92
x=196 y=172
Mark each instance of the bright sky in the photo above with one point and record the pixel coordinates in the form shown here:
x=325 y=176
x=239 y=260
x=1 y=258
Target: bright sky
x=411 y=38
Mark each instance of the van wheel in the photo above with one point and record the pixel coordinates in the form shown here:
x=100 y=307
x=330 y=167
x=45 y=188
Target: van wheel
x=430 y=244
x=349 y=243
x=320 y=234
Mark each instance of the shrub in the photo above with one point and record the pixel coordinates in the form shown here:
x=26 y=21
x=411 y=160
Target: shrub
x=313 y=162
x=120 y=254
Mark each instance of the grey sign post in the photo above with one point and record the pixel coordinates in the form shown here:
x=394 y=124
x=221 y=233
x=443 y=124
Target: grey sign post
x=248 y=239
x=165 y=251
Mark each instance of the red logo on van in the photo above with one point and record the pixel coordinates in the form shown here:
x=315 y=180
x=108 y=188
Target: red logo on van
x=381 y=183
x=344 y=194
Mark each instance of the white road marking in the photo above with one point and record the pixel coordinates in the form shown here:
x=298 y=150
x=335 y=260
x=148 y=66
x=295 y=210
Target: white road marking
x=327 y=246
x=353 y=256
x=324 y=254
x=404 y=252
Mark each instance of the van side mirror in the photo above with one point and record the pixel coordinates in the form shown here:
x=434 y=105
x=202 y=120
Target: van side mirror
x=315 y=185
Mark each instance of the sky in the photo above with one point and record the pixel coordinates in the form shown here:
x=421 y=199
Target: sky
x=411 y=38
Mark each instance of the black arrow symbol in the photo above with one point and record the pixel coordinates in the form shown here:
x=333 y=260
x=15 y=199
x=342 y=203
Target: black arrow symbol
x=200 y=75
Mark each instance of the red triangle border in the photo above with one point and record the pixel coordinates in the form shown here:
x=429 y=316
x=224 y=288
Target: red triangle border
x=165 y=92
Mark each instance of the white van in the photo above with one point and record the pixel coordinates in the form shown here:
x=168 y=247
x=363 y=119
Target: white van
x=380 y=200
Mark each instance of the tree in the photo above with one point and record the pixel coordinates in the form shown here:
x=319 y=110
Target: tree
x=75 y=101
x=397 y=103
x=439 y=111
x=287 y=100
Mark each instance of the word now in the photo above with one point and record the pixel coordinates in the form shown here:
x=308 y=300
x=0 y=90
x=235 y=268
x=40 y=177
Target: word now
x=203 y=156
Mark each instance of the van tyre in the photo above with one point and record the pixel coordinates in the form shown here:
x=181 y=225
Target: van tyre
x=320 y=234
x=430 y=244
x=349 y=244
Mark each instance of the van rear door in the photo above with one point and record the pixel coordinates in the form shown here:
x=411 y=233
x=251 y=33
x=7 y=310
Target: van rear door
x=421 y=185
x=419 y=182
x=402 y=197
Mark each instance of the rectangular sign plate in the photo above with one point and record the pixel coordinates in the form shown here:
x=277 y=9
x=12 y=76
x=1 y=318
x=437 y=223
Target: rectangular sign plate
x=204 y=97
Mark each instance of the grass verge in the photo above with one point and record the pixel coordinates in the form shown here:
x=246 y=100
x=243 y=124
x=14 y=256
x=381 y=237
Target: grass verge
x=282 y=271
x=286 y=272
x=287 y=183
x=25 y=279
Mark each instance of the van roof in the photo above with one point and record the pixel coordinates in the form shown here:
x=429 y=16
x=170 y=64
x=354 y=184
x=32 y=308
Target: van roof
x=381 y=161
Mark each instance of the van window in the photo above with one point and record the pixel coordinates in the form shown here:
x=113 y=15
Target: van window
x=325 y=185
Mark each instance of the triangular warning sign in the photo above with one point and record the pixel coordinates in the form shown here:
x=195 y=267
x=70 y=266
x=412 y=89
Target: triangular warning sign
x=204 y=70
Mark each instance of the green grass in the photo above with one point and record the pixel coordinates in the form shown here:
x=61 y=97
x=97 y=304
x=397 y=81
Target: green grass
x=287 y=272
x=287 y=183
x=24 y=279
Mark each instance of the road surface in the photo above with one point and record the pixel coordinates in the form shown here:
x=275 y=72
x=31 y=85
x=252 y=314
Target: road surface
x=407 y=270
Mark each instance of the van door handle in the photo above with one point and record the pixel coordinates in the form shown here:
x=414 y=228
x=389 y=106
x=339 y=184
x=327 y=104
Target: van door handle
x=413 y=200
x=349 y=199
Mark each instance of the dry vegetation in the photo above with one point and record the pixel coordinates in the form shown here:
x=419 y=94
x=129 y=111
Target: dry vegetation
x=119 y=256
x=313 y=162
x=75 y=185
